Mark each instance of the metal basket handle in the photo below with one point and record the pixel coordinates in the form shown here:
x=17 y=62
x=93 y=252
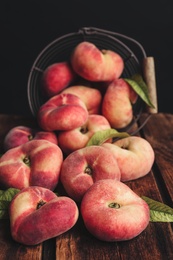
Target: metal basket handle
x=92 y=30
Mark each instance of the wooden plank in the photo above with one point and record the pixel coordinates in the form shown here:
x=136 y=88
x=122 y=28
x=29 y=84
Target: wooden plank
x=9 y=249
x=156 y=242
x=159 y=132
x=151 y=244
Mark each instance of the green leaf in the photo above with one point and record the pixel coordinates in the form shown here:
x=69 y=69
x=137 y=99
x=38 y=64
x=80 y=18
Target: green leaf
x=5 y=198
x=7 y=195
x=139 y=86
x=159 y=212
x=101 y=136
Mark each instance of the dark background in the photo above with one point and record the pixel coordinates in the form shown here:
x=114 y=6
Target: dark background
x=26 y=27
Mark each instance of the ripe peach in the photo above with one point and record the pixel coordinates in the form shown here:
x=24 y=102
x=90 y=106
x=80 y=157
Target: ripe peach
x=21 y=134
x=56 y=77
x=37 y=162
x=77 y=138
x=117 y=103
x=111 y=211
x=134 y=155
x=37 y=214
x=90 y=96
x=85 y=166
x=62 y=112
x=94 y=64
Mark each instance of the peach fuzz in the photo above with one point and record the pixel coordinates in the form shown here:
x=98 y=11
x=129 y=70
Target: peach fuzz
x=85 y=166
x=134 y=155
x=37 y=214
x=62 y=112
x=37 y=162
x=21 y=134
x=56 y=77
x=94 y=64
x=117 y=103
x=77 y=138
x=92 y=97
x=111 y=211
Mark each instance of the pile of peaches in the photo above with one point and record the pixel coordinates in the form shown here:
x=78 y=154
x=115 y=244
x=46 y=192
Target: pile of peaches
x=84 y=96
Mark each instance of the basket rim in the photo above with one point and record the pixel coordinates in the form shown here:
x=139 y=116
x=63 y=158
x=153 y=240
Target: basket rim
x=84 y=31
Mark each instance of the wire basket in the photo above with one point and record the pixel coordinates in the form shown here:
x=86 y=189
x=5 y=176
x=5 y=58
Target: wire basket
x=61 y=48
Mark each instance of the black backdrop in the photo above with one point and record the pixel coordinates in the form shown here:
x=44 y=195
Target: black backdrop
x=26 y=27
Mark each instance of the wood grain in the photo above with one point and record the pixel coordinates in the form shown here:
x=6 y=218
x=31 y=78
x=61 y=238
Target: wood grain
x=159 y=132
x=154 y=243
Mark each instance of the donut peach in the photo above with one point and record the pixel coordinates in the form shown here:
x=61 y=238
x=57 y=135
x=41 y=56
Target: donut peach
x=93 y=64
x=62 y=112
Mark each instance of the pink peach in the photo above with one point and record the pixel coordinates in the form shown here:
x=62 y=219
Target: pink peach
x=117 y=103
x=111 y=211
x=92 y=97
x=77 y=138
x=56 y=77
x=21 y=134
x=62 y=112
x=37 y=162
x=94 y=64
x=37 y=214
x=86 y=166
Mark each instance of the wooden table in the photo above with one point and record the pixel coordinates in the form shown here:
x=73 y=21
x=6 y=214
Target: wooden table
x=155 y=243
